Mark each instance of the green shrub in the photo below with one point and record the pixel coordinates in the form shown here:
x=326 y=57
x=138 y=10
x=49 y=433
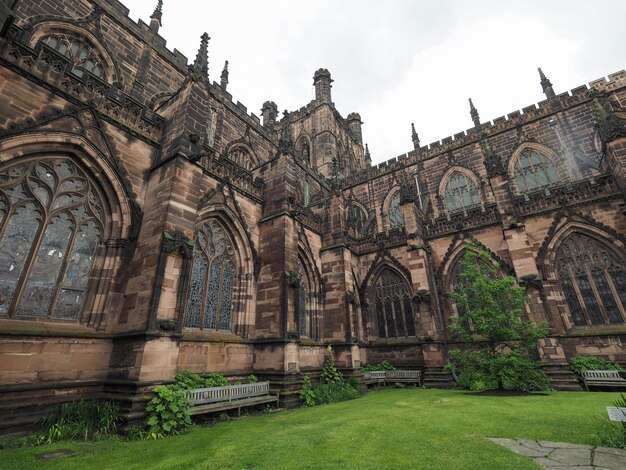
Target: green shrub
x=385 y=365
x=252 y=379
x=307 y=395
x=83 y=420
x=611 y=433
x=330 y=373
x=480 y=370
x=582 y=363
x=188 y=380
x=334 y=392
x=168 y=412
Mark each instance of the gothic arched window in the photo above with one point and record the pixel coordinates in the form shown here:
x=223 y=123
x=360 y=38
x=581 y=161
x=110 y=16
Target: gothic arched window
x=461 y=193
x=393 y=306
x=593 y=281
x=534 y=170
x=241 y=157
x=213 y=277
x=395 y=212
x=303 y=303
x=357 y=221
x=51 y=222
x=79 y=52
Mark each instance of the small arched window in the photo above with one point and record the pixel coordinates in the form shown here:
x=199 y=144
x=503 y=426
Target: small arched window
x=461 y=193
x=79 y=52
x=593 y=281
x=533 y=171
x=396 y=219
x=357 y=221
x=213 y=276
x=241 y=157
x=52 y=219
x=393 y=306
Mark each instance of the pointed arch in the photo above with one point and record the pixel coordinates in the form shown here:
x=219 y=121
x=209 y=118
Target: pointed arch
x=84 y=47
x=535 y=167
x=221 y=287
x=584 y=270
x=392 y=212
x=81 y=216
x=390 y=312
x=242 y=154
x=304 y=148
x=459 y=189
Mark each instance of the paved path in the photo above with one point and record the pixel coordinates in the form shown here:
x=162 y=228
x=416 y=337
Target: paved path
x=564 y=456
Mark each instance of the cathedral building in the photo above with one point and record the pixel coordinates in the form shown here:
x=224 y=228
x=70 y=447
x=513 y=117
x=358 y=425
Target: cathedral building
x=150 y=224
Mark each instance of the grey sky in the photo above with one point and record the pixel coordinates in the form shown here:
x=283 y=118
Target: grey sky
x=400 y=61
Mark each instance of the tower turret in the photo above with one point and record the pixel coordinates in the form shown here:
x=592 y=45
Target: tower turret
x=322 y=83
x=269 y=112
x=354 y=123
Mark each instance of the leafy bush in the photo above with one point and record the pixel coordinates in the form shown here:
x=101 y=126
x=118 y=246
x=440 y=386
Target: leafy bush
x=479 y=370
x=252 y=379
x=385 y=365
x=332 y=387
x=168 y=412
x=582 y=363
x=84 y=420
x=307 y=394
x=330 y=373
x=188 y=380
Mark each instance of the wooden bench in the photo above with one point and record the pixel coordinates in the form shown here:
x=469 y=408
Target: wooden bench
x=603 y=378
x=208 y=400
x=383 y=377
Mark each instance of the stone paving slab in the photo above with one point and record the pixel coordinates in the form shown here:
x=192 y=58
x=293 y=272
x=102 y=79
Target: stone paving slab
x=566 y=456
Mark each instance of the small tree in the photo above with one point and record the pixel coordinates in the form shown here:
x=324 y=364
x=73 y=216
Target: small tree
x=502 y=343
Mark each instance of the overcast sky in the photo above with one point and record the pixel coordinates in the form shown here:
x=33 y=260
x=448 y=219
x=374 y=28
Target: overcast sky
x=400 y=61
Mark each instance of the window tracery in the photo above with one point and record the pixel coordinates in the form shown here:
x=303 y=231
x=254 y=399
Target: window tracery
x=393 y=306
x=357 y=221
x=51 y=222
x=213 y=275
x=396 y=219
x=241 y=157
x=461 y=193
x=79 y=52
x=593 y=281
x=303 y=307
x=533 y=171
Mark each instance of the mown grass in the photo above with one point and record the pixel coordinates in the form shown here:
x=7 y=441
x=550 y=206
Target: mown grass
x=408 y=428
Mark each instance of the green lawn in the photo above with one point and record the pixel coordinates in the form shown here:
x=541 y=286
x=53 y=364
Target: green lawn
x=408 y=428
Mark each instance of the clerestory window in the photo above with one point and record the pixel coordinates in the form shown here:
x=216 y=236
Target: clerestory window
x=79 y=52
x=534 y=171
x=461 y=193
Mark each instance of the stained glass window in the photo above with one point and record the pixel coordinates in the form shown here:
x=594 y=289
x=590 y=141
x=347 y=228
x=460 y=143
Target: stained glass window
x=394 y=308
x=592 y=280
x=213 y=276
x=51 y=221
x=534 y=171
x=80 y=53
x=461 y=193
x=395 y=212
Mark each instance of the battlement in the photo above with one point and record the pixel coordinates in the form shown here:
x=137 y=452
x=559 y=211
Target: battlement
x=541 y=110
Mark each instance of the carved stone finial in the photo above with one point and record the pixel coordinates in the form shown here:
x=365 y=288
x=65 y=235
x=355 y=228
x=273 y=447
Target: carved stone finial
x=407 y=190
x=609 y=125
x=224 y=77
x=474 y=114
x=285 y=143
x=155 y=18
x=546 y=86
x=200 y=69
x=416 y=139
x=368 y=157
x=354 y=124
